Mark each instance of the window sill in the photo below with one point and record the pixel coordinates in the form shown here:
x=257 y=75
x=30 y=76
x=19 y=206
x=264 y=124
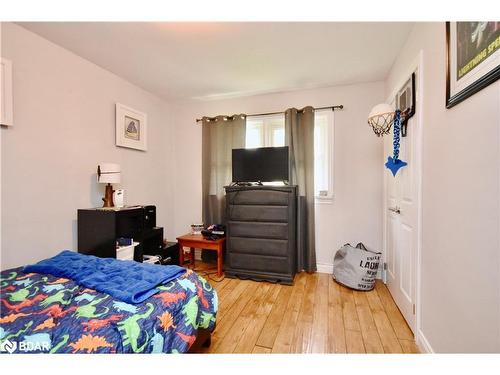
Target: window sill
x=323 y=200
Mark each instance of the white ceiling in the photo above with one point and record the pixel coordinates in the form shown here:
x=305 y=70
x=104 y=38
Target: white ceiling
x=219 y=60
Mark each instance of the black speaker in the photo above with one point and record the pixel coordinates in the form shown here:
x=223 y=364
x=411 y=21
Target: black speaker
x=149 y=217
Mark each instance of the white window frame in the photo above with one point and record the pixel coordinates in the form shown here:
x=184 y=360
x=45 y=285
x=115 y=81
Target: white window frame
x=266 y=141
x=328 y=198
x=267 y=128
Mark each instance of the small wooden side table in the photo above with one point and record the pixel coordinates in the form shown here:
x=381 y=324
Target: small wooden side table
x=197 y=241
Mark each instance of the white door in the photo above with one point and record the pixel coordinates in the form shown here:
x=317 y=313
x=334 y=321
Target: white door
x=402 y=220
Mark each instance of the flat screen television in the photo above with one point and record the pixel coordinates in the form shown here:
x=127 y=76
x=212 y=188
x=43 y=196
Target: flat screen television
x=265 y=164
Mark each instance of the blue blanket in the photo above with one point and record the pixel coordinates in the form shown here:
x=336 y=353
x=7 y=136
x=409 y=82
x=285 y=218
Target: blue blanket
x=125 y=280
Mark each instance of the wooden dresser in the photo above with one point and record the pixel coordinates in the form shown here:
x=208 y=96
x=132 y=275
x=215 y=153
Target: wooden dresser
x=261 y=232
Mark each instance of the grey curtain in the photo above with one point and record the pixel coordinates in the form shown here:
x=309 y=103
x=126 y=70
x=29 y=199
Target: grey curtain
x=299 y=137
x=220 y=135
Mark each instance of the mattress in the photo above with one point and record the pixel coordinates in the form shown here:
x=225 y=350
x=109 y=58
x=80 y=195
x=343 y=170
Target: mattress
x=41 y=313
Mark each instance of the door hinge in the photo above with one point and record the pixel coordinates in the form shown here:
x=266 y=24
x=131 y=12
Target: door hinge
x=413 y=309
x=385 y=266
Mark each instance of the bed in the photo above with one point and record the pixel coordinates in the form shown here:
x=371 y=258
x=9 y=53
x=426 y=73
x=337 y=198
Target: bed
x=46 y=313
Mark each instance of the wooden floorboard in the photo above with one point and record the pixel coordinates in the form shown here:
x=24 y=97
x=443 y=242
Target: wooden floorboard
x=384 y=327
x=302 y=340
x=243 y=321
x=273 y=322
x=336 y=327
x=398 y=323
x=409 y=346
x=221 y=285
x=284 y=338
x=369 y=332
x=349 y=312
x=258 y=318
x=319 y=331
x=354 y=342
x=226 y=316
x=261 y=350
x=315 y=315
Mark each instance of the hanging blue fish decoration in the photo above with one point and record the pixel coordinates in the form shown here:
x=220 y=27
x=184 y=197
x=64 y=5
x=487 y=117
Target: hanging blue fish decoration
x=394 y=163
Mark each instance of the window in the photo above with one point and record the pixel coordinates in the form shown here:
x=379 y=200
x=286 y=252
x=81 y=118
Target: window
x=323 y=155
x=265 y=131
x=269 y=131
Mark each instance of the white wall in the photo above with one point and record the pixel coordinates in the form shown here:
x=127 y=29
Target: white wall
x=460 y=295
x=355 y=214
x=64 y=108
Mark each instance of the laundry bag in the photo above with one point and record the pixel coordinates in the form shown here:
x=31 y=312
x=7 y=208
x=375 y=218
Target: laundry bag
x=356 y=267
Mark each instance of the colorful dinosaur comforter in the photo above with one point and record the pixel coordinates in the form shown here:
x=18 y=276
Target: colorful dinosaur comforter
x=45 y=314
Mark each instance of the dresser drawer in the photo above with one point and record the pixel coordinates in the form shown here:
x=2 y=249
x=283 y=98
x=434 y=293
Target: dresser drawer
x=258 y=213
x=258 y=196
x=258 y=246
x=258 y=230
x=259 y=263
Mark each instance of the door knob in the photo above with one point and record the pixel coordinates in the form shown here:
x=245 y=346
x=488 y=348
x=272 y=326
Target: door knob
x=395 y=209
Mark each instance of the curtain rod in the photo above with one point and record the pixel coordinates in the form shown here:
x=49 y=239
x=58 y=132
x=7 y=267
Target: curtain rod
x=332 y=107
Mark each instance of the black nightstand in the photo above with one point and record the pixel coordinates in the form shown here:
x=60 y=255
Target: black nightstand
x=98 y=230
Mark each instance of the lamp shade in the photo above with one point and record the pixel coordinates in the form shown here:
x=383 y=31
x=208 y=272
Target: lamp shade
x=108 y=173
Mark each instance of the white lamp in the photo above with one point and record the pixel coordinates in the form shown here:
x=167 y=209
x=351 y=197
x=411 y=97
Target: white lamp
x=381 y=118
x=108 y=173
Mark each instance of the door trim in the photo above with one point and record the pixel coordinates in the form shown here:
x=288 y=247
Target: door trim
x=416 y=66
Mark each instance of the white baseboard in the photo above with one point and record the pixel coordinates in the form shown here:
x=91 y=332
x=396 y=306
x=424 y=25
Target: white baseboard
x=423 y=343
x=324 y=268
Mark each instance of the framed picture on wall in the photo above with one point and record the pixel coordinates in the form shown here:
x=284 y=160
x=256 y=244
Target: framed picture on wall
x=473 y=58
x=131 y=128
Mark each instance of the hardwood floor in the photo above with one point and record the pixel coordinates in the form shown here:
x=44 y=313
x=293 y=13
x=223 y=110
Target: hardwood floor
x=315 y=315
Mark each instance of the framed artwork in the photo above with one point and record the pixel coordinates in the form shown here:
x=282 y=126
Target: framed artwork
x=473 y=58
x=131 y=128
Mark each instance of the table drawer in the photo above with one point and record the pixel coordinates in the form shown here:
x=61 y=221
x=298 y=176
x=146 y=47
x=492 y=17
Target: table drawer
x=258 y=213
x=261 y=197
x=259 y=263
x=258 y=246
x=258 y=230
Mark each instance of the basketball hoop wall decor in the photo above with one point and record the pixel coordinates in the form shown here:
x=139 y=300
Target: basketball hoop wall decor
x=131 y=128
x=382 y=116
